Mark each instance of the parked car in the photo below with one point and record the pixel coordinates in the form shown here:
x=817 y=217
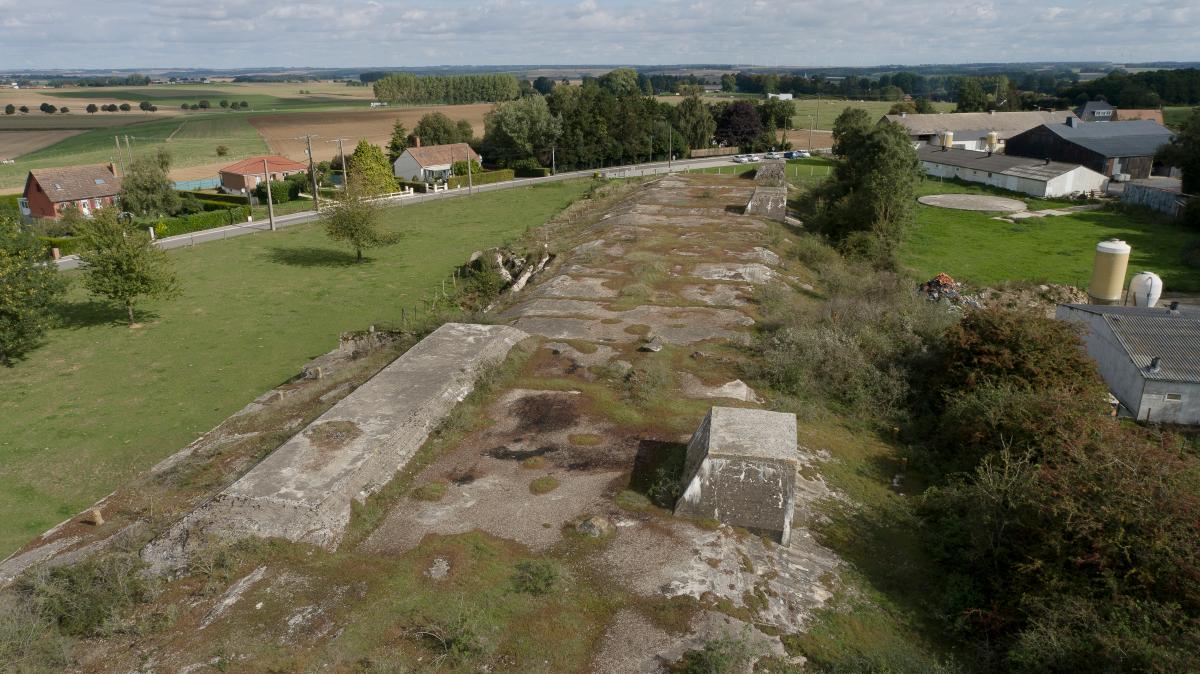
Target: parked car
x=753 y=158
x=774 y=155
x=797 y=154
x=740 y=159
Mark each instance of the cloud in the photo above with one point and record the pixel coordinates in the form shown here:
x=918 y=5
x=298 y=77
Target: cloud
x=399 y=33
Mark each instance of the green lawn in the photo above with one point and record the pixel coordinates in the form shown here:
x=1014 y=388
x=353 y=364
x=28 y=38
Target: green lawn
x=100 y=402
x=974 y=247
x=194 y=142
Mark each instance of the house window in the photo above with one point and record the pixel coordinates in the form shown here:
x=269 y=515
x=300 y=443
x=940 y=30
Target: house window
x=1174 y=397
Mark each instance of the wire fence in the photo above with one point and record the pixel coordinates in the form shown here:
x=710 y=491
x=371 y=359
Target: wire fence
x=202 y=184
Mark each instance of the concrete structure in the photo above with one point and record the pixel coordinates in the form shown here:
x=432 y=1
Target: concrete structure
x=1161 y=194
x=48 y=192
x=971 y=129
x=741 y=470
x=243 y=176
x=1037 y=178
x=304 y=490
x=1096 y=111
x=1110 y=148
x=431 y=163
x=770 y=191
x=782 y=97
x=1149 y=357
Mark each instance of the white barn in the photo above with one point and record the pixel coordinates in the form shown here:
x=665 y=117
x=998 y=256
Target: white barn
x=431 y=163
x=1035 y=177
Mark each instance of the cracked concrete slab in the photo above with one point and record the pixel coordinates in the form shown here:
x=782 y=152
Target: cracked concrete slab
x=304 y=489
x=718 y=294
x=727 y=271
x=564 y=286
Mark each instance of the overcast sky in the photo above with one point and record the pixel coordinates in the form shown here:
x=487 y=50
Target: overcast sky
x=245 y=33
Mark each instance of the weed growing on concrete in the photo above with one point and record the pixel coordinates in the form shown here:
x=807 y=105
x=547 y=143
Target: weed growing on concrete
x=536 y=577
x=430 y=491
x=724 y=655
x=543 y=485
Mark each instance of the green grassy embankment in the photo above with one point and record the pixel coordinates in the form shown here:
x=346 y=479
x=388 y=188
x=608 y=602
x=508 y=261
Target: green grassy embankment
x=100 y=402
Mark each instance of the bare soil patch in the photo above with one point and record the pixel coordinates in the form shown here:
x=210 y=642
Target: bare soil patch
x=281 y=131
x=13 y=144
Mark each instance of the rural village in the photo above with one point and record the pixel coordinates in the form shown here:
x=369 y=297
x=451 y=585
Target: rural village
x=695 y=369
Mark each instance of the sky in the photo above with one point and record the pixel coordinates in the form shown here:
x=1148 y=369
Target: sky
x=397 y=33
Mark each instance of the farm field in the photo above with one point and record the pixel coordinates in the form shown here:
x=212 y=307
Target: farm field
x=100 y=402
x=1174 y=116
x=13 y=144
x=39 y=121
x=281 y=131
x=825 y=110
x=191 y=140
x=261 y=96
x=973 y=247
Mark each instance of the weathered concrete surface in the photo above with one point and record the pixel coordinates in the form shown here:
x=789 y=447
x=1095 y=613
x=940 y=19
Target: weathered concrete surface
x=303 y=491
x=741 y=470
x=973 y=202
x=770 y=192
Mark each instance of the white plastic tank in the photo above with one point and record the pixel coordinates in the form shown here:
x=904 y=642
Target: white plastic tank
x=1144 y=289
x=1108 y=272
x=947 y=139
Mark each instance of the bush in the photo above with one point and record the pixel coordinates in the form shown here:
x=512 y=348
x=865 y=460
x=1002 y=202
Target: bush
x=234 y=199
x=726 y=655
x=543 y=485
x=528 y=168
x=537 y=577
x=189 y=204
x=88 y=598
x=416 y=186
x=66 y=245
x=281 y=191
x=125 y=107
x=222 y=150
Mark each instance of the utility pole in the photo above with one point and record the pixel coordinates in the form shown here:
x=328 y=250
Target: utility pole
x=312 y=171
x=118 y=160
x=818 y=114
x=670 y=147
x=128 y=150
x=812 y=124
x=470 y=180
x=270 y=201
x=342 y=154
x=553 y=164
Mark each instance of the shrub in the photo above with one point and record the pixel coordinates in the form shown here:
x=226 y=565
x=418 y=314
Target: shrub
x=537 y=577
x=725 y=655
x=485 y=178
x=543 y=485
x=281 y=191
x=27 y=641
x=234 y=199
x=189 y=204
x=528 y=168
x=222 y=150
x=430 y=491
x=125 y=107
x=87 y=598
x=11 y=109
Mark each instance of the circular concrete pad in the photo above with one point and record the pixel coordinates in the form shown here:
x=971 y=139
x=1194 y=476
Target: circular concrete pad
x=973 y=202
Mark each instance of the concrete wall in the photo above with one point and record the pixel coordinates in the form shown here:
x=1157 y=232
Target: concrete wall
x=1165 y=201
x=1158 y=407
x=1034 y=188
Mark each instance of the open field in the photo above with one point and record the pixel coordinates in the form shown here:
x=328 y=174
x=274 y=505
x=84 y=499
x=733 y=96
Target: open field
x=824 y=110
x=973 y=247
x=194 y=143
x=39 y=121
x=13 y=144
x=1174 y=116
x=262 y=96
x=101 y=402
x=281 y=131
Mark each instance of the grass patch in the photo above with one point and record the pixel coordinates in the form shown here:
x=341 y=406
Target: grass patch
x=534 y=462
x=1057 y=249
x=100 y=403
x=585 y=439
x=632 y=500
x=430 y=491
x=543 y=485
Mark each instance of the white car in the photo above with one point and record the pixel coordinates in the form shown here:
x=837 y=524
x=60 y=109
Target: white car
x=774 y=155
x=753 y=158
x=740 y=159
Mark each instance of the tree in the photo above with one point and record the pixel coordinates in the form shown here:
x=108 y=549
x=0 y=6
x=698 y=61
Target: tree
x=399 y=142
x=728 y=83
x=145 y=105
x=543 y=85
x=970 y=96
x=519 y=130
x=1183 y=152
x=370 y=171
x=49 y=109
x=125 y=107
x=695 y=122
x=24 y=108
x=776 y=113
x=64 y=110
x=92 y=108
x=903 y=107
x=740 y=124
x=354 y=220
x=204 y=104
x=146 y=189
x=28 y=291
x=10 y=109
x=122 y=265
x=224 y=103
x=621 y=82
x=924 y=107
x=184 y=106
x=436 y=128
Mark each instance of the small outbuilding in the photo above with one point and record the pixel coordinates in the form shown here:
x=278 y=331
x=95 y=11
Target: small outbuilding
x=431 y=163
x=741 y=470
x=243 y=176
x=1038 y=178
x=1148 y=356
x=49 y=192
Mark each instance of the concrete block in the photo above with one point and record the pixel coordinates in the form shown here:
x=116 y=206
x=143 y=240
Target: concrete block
x=303 y=491
x=741 y=470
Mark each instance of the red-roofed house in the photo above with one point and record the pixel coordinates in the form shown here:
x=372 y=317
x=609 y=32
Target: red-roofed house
x=88 y=188
x=243 y=176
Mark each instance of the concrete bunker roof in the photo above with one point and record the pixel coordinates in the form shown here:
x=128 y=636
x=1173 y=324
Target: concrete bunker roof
x=737 y=432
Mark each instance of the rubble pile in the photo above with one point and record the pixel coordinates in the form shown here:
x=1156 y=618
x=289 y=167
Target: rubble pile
x=944 y=287
x=1042 y=297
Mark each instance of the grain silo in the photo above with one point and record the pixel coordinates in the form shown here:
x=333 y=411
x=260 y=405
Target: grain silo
x=1108 y=272
x=993 y=141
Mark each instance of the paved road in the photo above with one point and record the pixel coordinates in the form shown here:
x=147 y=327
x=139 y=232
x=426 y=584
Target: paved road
x=230 y=231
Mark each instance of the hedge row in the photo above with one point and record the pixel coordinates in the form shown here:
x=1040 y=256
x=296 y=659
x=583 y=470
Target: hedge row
x=416 y=185
x=66 y=245
x=531 y=172
x=200 y=221
x=485 y=178
x=235 y=199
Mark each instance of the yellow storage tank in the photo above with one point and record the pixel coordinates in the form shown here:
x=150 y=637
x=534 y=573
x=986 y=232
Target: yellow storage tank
x=1108 y=272
x=993 y=141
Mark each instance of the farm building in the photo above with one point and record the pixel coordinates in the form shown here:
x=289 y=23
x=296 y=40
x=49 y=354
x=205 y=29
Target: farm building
x=969 y=130
x=1161 y=194
x=244 y=175
x=1148 y=356
x=1096 y=111
x=782 y=97
x=431 y=163
x=48 y=192
x=1034 y=177
x=1111 y=148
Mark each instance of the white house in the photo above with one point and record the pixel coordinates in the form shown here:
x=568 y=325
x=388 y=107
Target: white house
x=782 y=97
x=1148 y=356
x=431 y=163
x=1035 y=177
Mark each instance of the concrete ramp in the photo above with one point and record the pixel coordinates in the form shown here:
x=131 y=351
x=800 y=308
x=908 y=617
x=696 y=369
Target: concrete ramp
x=303 y=491
x=770 y=191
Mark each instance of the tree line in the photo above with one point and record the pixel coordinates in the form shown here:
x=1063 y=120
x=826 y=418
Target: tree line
x=407 y=88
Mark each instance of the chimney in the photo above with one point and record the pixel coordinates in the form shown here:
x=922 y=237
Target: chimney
x=1073 y=122
x=1174 y=308
x=1155 y=365
x=112 y=168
